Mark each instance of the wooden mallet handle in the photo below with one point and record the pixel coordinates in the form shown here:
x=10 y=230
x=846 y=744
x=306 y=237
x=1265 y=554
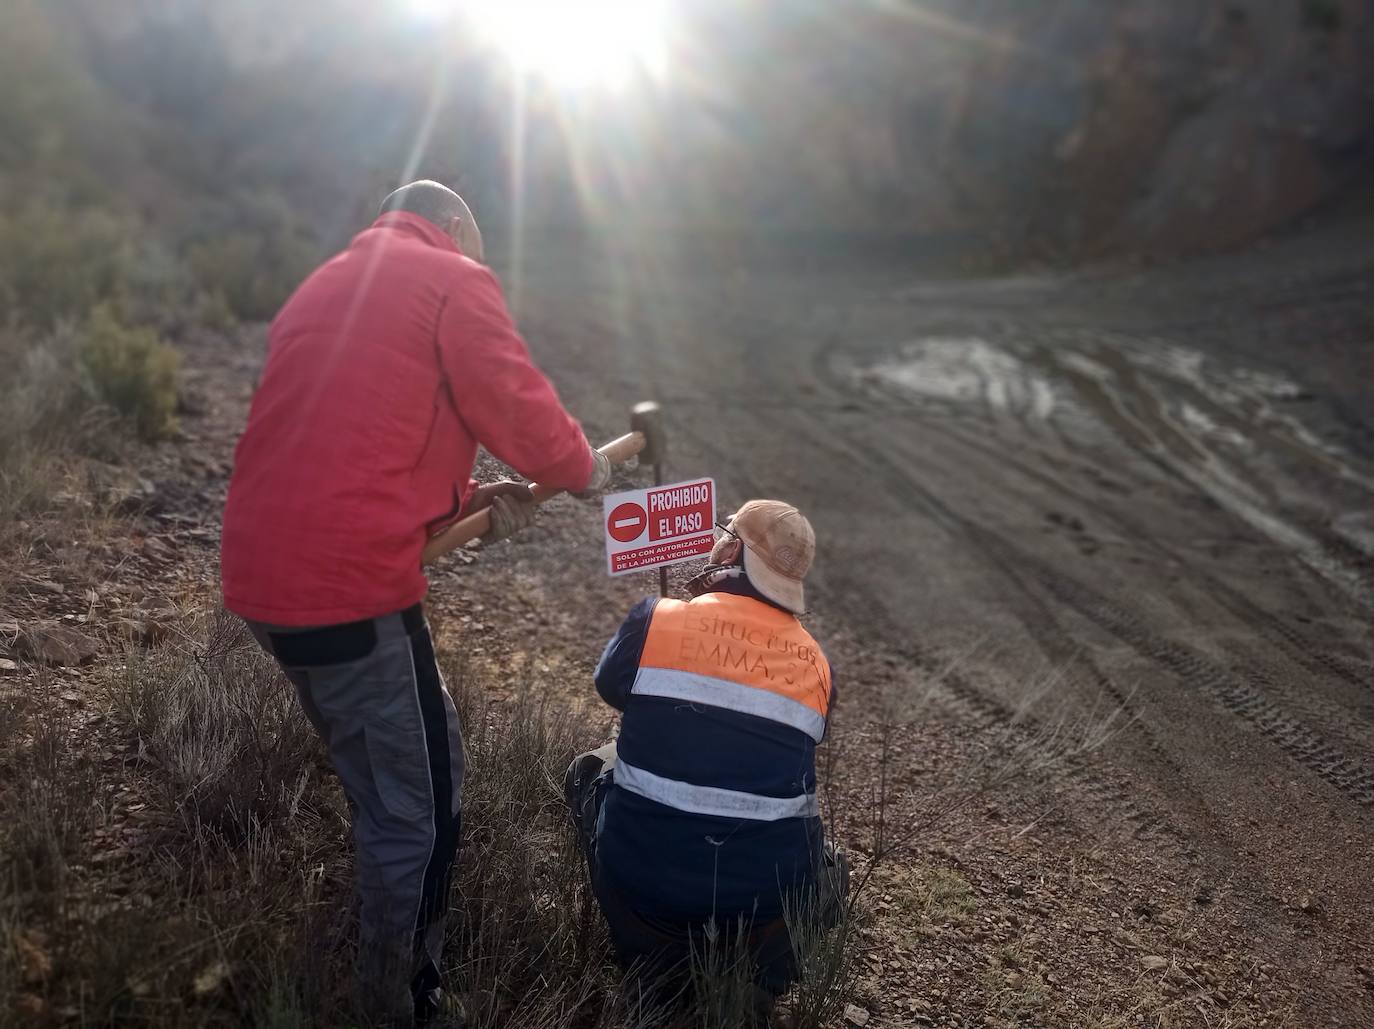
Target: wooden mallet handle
x=464 y=530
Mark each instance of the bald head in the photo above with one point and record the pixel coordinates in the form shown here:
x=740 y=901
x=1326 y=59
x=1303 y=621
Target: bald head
x=437 y=203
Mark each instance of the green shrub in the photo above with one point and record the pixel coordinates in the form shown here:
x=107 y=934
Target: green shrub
x=132 y=371
x=44 y=414
x=212 y=311
x=64 y=137
x=254 y=271
x=1322 y=15
x=158 y=289
x=58 y=263
x=42 y=396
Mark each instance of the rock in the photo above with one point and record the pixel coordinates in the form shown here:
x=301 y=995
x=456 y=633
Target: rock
x=35 y=965
x=151 y=622
x=157 y=608
x=56 y=589
x=1154 y=963
x=55 y=644
x=70 y=498
x=122 y=489
x=1015 y=890
x=7 y=666
x=143 y=631
x=32 y=1006
x=1125 y=940
x=211 y=978
x=855 y=1016
x=191 y=400
x=1069 y=522
x=156 y=549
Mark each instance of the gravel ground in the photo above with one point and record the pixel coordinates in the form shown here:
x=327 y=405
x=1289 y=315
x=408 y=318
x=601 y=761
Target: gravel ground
x=1095 y=574
x=1138 y=502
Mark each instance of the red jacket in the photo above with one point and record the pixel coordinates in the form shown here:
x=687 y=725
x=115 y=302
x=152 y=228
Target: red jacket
x=385 y=370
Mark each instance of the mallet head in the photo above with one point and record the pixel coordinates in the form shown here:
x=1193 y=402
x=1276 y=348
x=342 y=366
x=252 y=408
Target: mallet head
x=647 y=417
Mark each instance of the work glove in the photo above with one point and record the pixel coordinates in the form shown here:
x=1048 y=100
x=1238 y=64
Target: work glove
x=601 y=477
x=511 y=505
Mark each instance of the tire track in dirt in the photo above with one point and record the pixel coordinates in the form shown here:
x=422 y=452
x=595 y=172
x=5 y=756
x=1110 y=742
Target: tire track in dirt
x=976 y=705
x=1041 y=623
x=1293 y=645
x=1348 y=775
x=1140 y=416
x=1304 y=745
x=1319 y=755
x=1025 y=574
x=1044 y=628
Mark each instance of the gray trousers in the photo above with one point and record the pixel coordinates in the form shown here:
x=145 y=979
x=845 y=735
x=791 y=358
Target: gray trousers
x=374 y=693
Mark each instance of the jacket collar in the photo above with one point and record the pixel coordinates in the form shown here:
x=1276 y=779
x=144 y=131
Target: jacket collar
x=732 y=579
x=415 y=225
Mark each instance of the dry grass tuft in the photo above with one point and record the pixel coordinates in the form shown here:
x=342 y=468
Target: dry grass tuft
x=234 y=750
x=184 y=859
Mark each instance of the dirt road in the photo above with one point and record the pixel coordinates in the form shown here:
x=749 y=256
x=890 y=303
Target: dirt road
x=1140 y=490
x=1130 y=507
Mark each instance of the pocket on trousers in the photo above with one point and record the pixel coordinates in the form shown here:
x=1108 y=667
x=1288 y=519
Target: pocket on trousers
x=400 y=770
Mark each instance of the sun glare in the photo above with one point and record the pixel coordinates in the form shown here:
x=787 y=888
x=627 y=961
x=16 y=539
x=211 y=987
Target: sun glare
x=568 y=42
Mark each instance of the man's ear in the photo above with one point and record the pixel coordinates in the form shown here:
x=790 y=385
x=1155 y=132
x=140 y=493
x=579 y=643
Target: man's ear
x=454 y=228
x=726 y=552
x=471 y=237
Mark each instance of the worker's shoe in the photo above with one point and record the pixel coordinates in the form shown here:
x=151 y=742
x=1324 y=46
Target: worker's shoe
x=583 y=790
x=428 y=1006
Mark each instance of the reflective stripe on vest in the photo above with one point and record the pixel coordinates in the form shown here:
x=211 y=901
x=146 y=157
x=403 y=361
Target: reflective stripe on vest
x=721 y=648
x=711 y=800
x=733 y=696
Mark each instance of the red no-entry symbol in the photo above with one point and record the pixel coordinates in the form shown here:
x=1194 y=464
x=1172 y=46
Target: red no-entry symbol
x=627 y=522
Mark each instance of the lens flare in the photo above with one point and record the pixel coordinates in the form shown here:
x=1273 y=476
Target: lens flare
x=567 y=42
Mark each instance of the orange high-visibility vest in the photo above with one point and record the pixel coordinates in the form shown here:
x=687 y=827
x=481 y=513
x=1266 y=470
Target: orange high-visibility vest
x=736 y=653
x=731 y=652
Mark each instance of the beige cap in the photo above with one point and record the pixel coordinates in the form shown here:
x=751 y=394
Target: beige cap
x=779 y=548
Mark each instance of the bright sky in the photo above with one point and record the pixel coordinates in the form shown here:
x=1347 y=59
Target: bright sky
x=569 y=43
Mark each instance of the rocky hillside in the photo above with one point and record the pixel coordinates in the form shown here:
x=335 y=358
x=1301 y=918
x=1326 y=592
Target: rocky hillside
x=1164 y=124
x=1172 y=125
x=1065 y=125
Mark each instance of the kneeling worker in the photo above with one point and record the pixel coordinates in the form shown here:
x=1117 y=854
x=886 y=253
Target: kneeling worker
x=705 y=807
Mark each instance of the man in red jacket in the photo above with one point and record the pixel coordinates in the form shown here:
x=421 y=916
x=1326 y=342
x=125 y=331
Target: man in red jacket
x=385 y=370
